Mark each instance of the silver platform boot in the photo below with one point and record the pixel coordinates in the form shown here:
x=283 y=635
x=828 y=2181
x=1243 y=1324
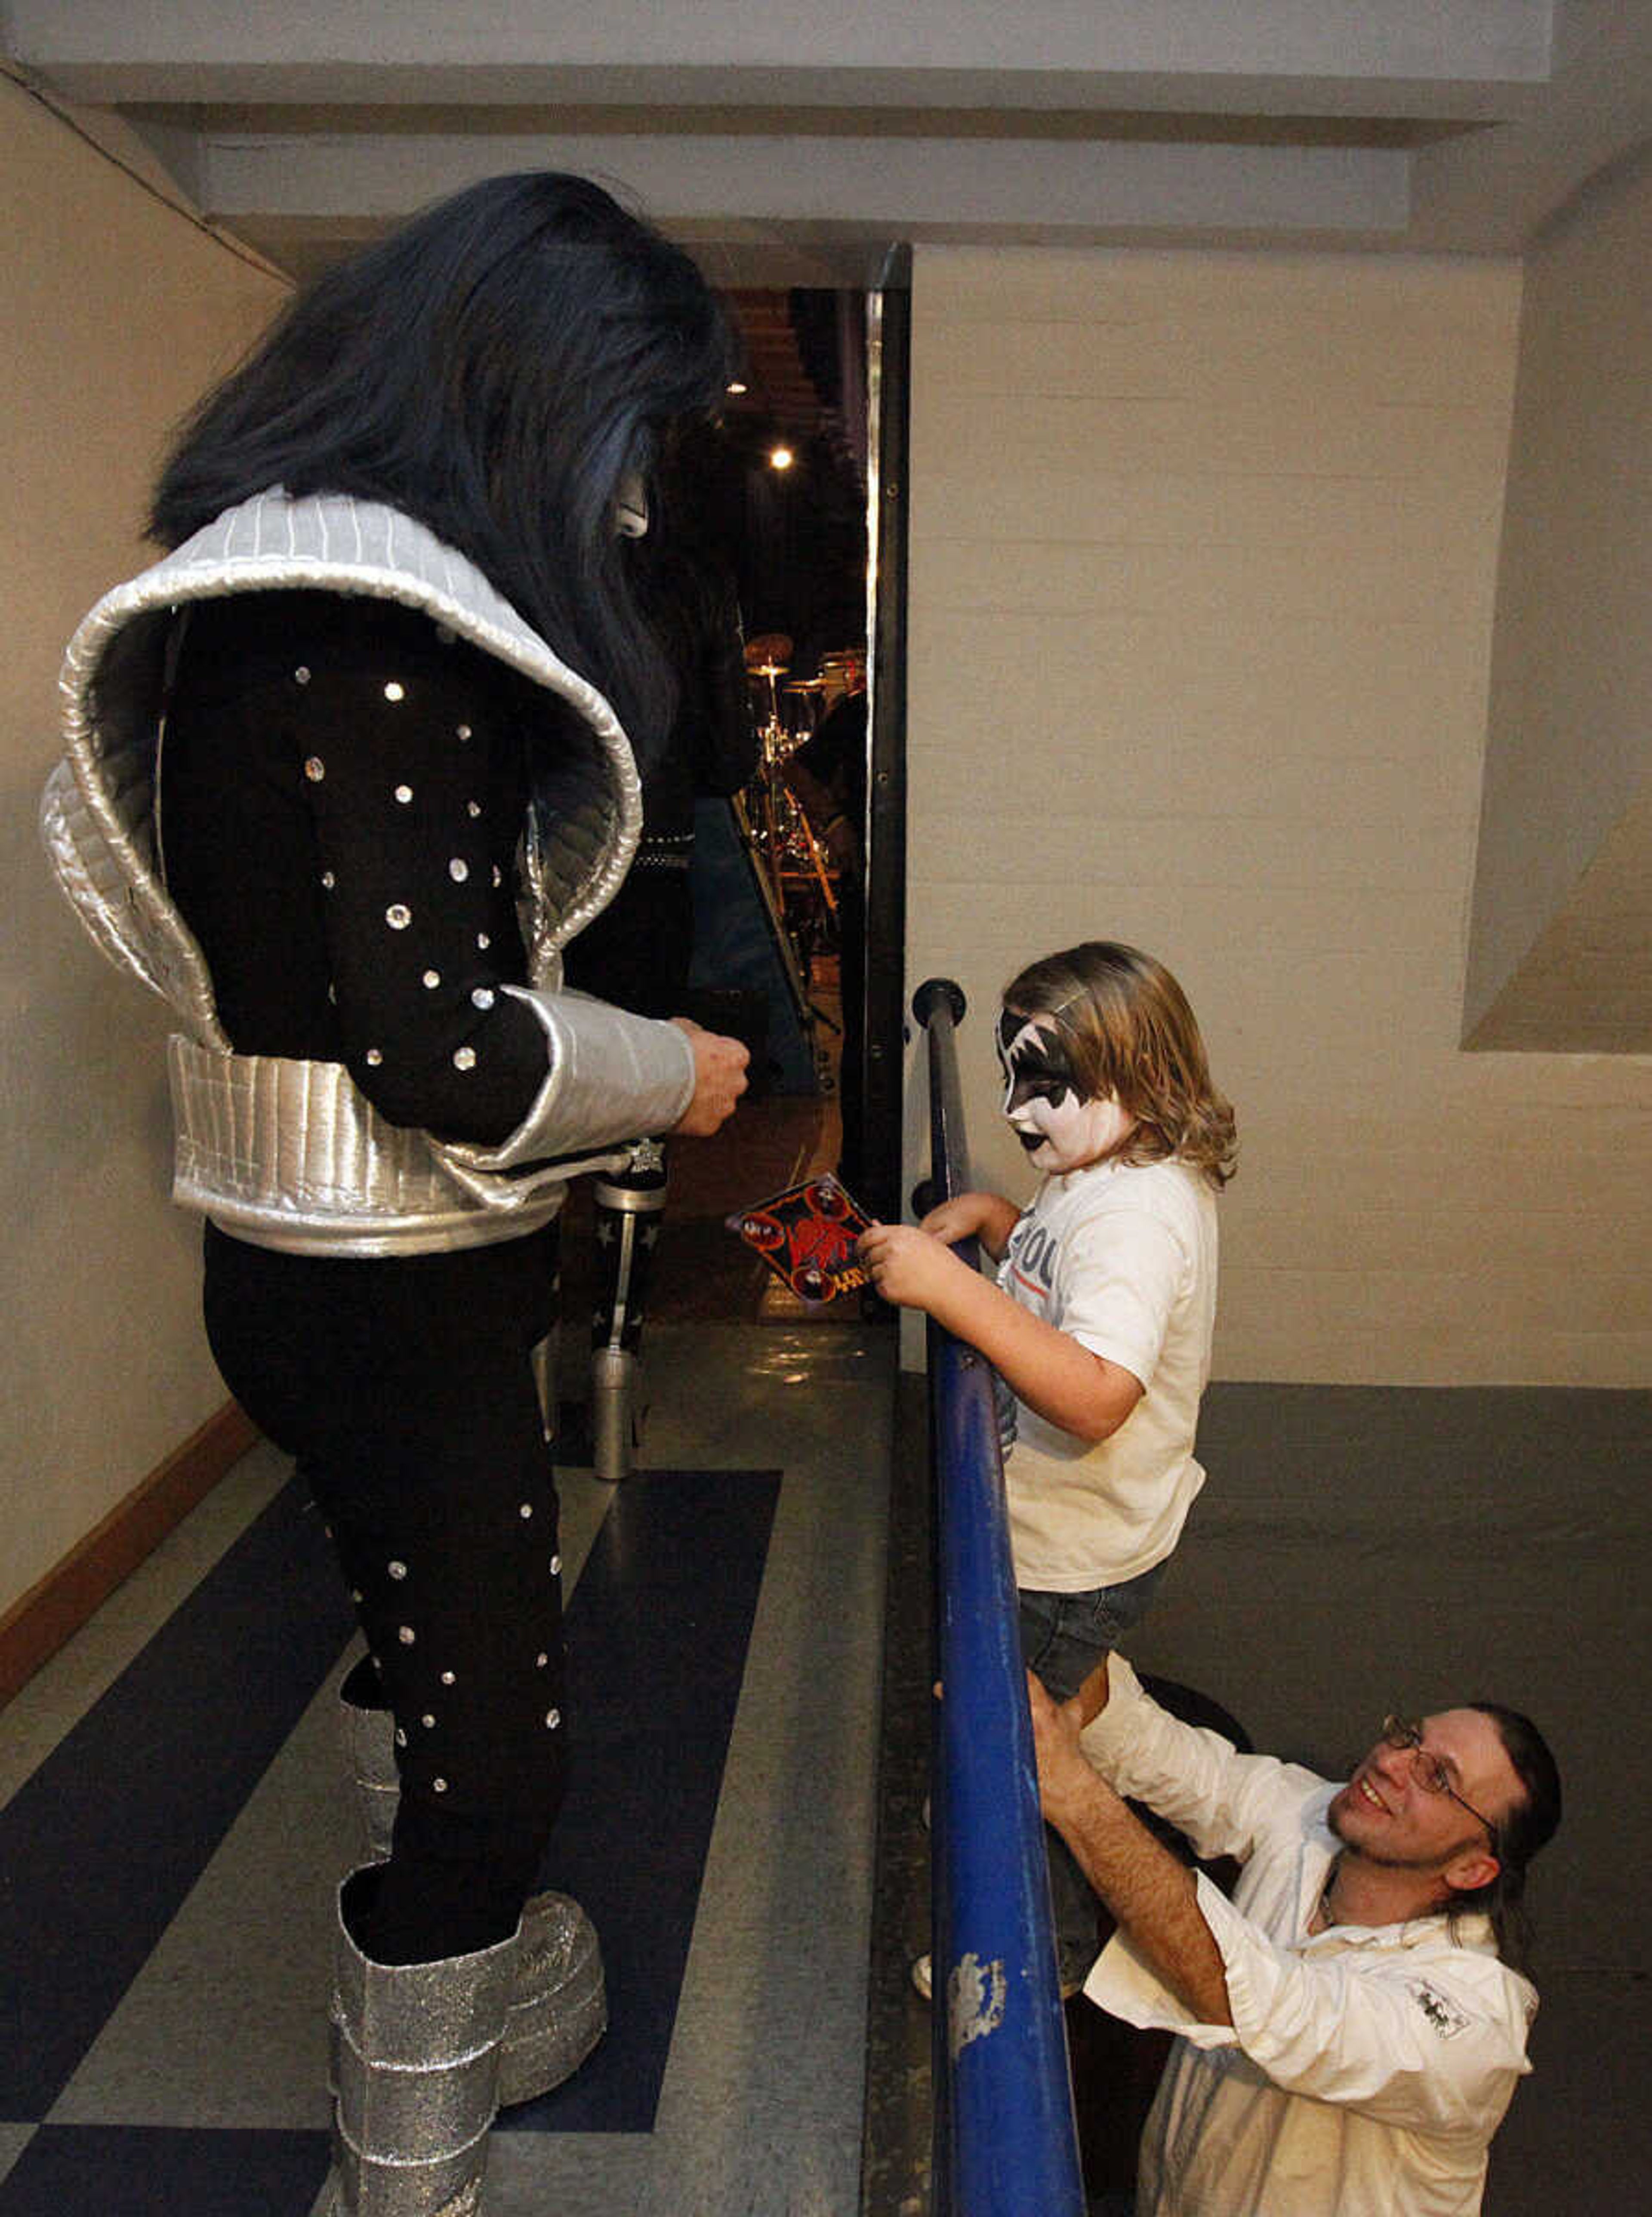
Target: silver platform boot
x=415 y=2066
x=559 y=2001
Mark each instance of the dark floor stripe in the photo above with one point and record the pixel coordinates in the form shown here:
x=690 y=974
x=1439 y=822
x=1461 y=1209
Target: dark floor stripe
x=658 y=1633
x=99 y=1849
x=130 y=2170
x=101 y=1846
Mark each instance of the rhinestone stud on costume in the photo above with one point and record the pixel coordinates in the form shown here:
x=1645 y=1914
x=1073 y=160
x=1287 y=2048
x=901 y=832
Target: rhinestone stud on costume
x=401 y=1737
x=497 y=878
x=300 y=676
x=315 y=769
x=403 y=793
x=394 y=691
x=447 y=1678
x=556 y=1564
x=473 y=809
x=429 y=1723
x=527 y=1508
x=483 y=941
x=397 y=1570
x=405 y=1635
x=464 y=1058
x=439 y=1784
x=482 y=996
x=539 y=1662
x=553 y=1718
x=328 y=880
x=458 y=870
x=432 y=980
x=398 y=915
x=374 y=1056
x=463 y=731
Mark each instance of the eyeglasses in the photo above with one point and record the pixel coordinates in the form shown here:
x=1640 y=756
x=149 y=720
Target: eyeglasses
x=1426 y=1768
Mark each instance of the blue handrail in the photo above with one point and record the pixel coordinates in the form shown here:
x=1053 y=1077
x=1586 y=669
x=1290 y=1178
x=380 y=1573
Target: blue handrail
x=1006 y=2140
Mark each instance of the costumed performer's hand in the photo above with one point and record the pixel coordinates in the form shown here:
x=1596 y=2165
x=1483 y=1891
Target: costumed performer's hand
x=719 y=1080
x=911 y=1267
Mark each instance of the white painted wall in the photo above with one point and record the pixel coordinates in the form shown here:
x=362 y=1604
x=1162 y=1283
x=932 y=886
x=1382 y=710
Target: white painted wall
x=117 y=311
x=1204 y=556
x=1569 y=749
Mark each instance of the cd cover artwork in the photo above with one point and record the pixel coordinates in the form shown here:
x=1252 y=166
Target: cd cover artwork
x=806 y=1236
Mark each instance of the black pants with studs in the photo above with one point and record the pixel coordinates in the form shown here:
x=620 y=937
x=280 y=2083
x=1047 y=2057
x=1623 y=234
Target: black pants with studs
x=405 y=1387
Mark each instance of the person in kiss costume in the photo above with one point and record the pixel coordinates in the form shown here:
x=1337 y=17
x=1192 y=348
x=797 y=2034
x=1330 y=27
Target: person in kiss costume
x=1099 y=1324
x=345 y=770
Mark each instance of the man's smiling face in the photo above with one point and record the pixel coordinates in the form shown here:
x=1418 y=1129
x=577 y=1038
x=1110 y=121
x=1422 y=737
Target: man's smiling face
x=1385 y=1814
x=1059 y=1130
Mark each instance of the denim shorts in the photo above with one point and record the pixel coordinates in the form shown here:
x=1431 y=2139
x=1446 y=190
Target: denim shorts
x=1065 y=1635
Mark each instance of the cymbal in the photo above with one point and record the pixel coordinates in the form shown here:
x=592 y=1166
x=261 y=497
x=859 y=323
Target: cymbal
x=768 y=654
x=805 y=685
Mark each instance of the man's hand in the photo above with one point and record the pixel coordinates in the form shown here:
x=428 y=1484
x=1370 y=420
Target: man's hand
x=1065 y=1778
x=719 y=1080
x=1151 y=1895
x=911 y=1267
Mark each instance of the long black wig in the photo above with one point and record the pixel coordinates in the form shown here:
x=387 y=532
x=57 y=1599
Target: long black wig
x=496 y=368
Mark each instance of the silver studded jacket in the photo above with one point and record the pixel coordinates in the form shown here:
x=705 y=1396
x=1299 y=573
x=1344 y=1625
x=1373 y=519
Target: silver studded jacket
x=291 y=1154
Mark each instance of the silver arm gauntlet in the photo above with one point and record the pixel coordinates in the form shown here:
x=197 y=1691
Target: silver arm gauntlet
x=613 y=1076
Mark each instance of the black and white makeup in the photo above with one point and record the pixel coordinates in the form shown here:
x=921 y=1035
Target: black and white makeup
x=1059 y=1130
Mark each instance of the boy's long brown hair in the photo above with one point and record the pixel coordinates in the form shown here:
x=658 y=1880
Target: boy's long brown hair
x=1130 y=1031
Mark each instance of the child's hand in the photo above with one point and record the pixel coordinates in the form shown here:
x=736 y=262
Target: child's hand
x=909 y=1266
x=958 y=1219
x=988 y=1217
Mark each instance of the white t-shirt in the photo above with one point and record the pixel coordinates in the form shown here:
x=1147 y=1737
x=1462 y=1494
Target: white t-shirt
x=1123 y=1258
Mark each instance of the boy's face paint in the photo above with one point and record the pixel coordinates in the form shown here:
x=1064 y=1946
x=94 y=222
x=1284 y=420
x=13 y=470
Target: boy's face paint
x=1060 y=1131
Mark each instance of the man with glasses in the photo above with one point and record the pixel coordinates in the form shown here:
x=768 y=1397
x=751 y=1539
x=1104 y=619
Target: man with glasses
x=1353 y=2023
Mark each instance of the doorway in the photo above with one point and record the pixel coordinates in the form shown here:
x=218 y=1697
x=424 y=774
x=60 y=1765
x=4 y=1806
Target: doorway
x=798 y=876
x=797 y=917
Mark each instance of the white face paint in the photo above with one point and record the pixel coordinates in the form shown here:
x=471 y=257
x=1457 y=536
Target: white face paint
x=1059 y=1130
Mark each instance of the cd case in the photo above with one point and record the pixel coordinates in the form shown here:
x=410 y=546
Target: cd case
x=806 y=1236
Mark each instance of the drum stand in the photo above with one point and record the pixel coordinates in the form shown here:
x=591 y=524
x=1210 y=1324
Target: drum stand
x=629 y=1204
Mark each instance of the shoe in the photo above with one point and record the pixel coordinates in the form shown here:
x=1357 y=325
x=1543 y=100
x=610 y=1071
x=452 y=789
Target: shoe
x=559 y=2001
x=416 y=2049
x=367 y=1737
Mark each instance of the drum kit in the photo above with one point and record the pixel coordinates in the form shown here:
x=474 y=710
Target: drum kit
x=787 y=853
